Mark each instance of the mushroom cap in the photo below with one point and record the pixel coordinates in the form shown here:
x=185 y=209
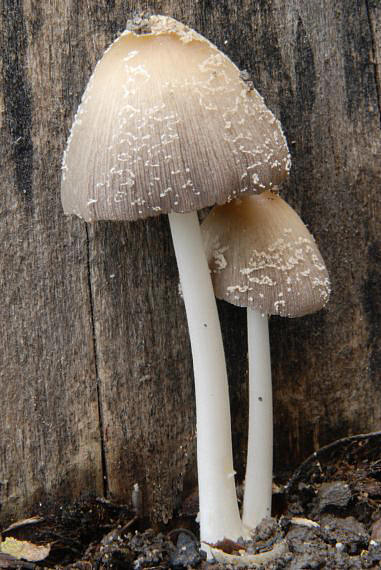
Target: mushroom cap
x=166 y=124
x=262 y=256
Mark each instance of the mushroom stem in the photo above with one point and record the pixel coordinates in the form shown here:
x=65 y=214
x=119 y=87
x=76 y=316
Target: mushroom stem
x=218 y=507
x=258 y=478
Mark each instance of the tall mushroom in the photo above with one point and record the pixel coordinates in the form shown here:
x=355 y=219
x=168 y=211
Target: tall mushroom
x=166 y=125
x=263 y=257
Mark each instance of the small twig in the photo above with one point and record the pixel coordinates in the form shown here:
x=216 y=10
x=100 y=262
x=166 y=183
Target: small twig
x=24 y=522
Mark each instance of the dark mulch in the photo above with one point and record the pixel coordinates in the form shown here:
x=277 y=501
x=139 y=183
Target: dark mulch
x=329 y=516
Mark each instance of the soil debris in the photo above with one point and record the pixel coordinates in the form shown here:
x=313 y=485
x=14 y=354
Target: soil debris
x=335 y=494
x=330 y=517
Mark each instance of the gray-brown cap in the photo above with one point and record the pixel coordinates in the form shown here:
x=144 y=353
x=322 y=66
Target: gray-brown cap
x=166 y=124
x=262 y=256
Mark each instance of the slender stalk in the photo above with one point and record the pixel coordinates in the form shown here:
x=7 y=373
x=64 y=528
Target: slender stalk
x=258 y=479
x=219 y=514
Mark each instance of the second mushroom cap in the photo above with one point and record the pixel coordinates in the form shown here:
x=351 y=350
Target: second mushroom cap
x=262 y=256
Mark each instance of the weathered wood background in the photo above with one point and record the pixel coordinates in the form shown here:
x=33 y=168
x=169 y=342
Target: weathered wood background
x=95 y=366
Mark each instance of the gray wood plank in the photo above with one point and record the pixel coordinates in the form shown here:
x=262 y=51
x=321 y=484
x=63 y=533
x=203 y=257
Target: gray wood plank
x=49 y=428
x=127 y=393
x=312 y=64
x=314 y=61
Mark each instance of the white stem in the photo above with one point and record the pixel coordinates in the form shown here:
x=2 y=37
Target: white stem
x=258 y=479
x=219 y=514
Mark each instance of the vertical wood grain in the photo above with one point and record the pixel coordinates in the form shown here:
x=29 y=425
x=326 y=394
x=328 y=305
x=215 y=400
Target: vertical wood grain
x=95 y=367
x=49 y=427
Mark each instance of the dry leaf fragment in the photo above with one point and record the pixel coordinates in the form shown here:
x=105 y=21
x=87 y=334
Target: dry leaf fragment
x=228 y=546
x=300 y=521
x=24 y=550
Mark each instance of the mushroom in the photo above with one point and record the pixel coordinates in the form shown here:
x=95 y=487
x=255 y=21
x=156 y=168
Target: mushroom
x=166 y=125
x=263 y=257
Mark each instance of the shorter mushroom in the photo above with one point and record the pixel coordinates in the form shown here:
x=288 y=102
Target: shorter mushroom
x=263 y=257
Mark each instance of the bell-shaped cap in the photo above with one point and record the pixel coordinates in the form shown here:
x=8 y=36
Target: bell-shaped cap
x=166 y=124
x=262 y=256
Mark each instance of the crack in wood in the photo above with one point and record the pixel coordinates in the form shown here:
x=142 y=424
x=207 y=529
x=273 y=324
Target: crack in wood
x=105 y=484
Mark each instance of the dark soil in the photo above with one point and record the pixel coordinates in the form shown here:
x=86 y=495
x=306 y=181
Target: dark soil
x=328 y=516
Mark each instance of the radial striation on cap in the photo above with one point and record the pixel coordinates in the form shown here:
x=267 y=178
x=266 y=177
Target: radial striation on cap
x=262 y=256
x=166 y=124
